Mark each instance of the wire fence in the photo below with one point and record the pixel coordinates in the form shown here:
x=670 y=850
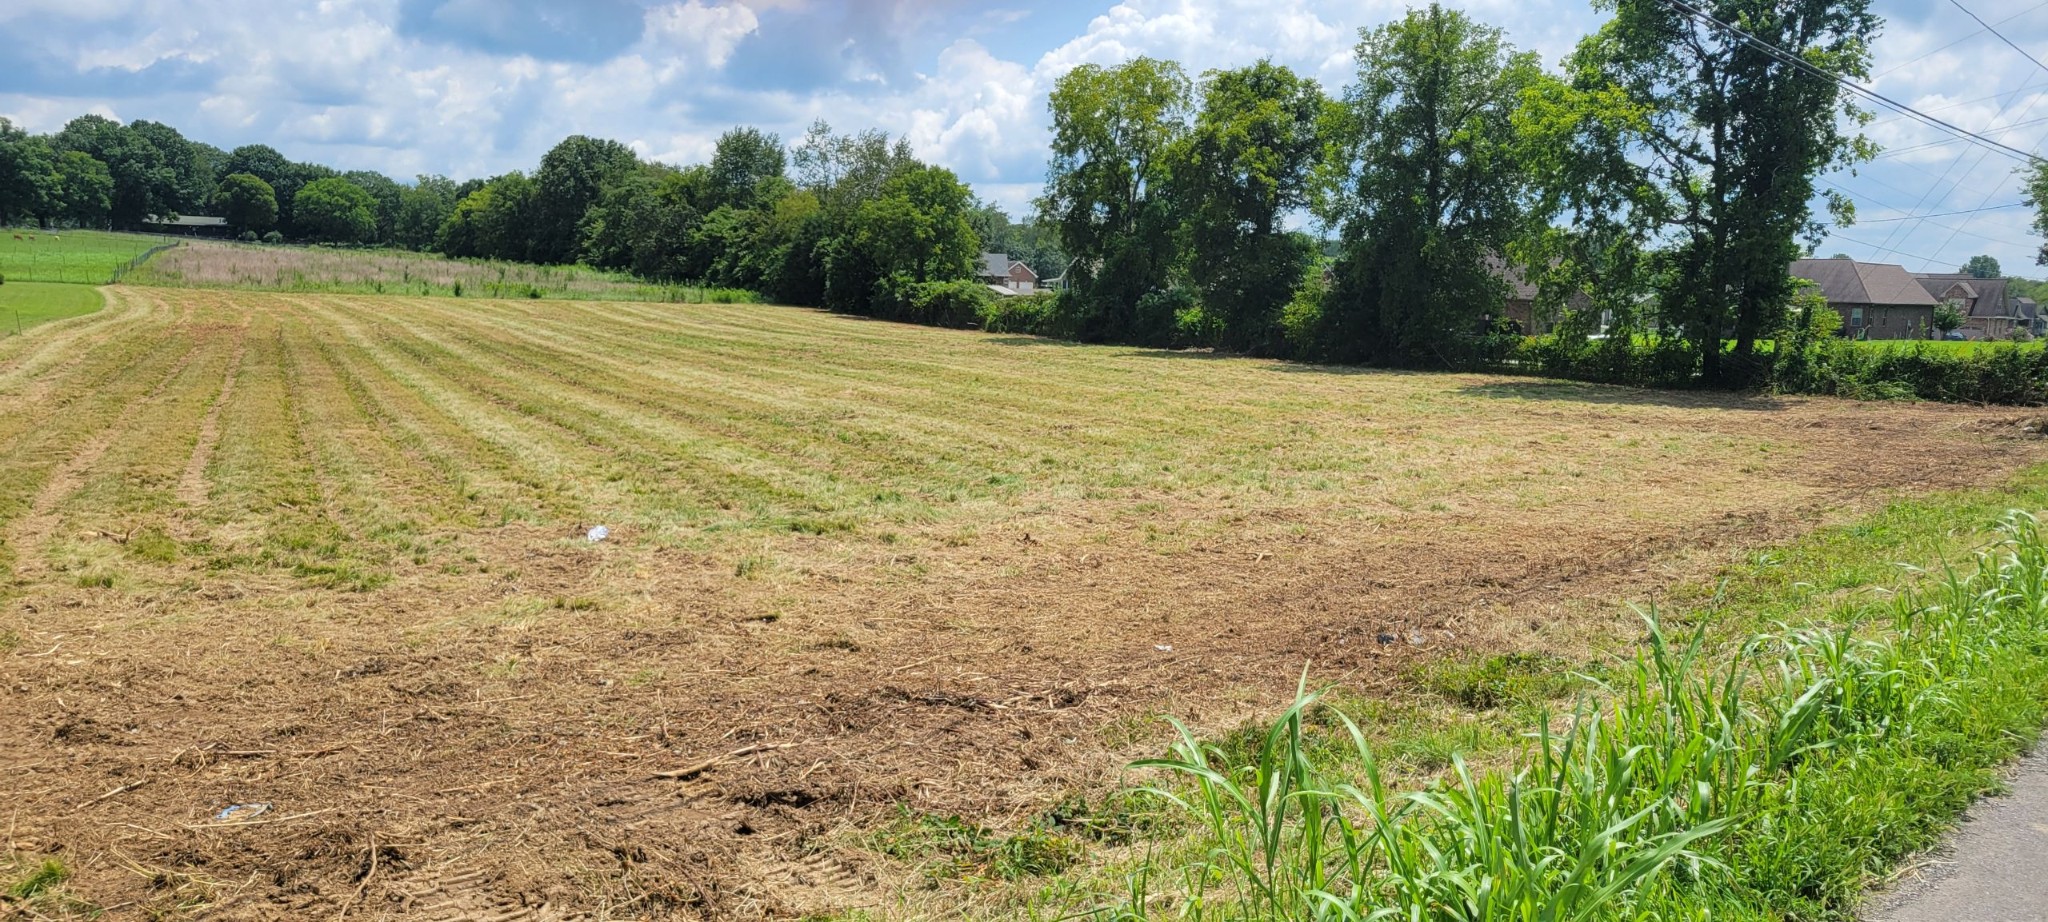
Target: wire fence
x=141 y=258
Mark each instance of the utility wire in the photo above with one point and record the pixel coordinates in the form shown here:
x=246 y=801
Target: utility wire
x=1788 y=57
x=1895 y=151
x=1875 y=247
x=1944 y=214
x=2001 y=36
x=1932 y=52
x=1963 y=102
x=1885 y=247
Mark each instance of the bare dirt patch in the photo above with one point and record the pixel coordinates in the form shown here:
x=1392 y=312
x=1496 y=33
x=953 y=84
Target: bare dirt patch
x=853 y=568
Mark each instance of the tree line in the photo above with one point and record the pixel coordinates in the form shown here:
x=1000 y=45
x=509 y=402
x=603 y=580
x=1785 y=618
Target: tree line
x=1653 y=187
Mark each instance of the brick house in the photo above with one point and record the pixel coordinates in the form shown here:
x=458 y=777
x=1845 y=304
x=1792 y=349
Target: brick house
x=1876 y=300
x=999 y=271
x=1987 y=306
x=1520 y=305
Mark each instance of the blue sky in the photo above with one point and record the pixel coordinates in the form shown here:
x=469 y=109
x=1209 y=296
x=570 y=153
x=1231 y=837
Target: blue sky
x=477 y=87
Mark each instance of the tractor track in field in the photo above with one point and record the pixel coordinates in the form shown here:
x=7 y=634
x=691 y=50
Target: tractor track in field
x=29 y=533
x=192 y=486
x=855 y=572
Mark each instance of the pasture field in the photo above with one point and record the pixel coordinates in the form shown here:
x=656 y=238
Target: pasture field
x=74 y=256
x=870 y=591
x=25 y=304
x=1939 y=346
x=217 y=264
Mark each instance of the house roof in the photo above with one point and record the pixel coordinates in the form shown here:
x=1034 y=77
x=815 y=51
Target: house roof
x=2026 y=307
x=1519 y=286
x=1991 y=294
x=994 y=265
x=187 y=220
x=1848 y=282
x=1003 y=290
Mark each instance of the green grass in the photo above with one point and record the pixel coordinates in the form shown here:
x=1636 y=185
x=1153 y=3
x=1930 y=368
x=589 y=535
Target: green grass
x=1949 y=347
x=78 y=257
x=1752 y=770
x=26 y=304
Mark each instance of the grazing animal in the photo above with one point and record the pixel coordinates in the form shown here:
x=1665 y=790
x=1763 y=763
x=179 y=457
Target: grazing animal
x=17 y=236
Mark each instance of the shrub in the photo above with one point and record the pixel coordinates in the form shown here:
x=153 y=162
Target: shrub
x=1032 y=313
x=956 y=303
x=1157 y=320
x=273 y=237
x=248 y=237
x=2013 y=373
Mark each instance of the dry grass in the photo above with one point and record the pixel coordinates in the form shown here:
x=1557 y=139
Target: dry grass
x=215 y=264
x=325 y=552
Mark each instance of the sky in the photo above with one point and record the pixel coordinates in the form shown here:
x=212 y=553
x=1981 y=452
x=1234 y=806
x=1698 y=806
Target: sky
x=477 y=87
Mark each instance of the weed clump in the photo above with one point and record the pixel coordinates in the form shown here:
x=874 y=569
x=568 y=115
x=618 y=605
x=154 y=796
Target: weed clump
x=1767 y=783
x=949 y=847
x=1498 y=681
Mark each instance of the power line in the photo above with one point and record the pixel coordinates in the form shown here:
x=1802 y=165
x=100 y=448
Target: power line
x=1944 y=214
x=1964 y=102
x=1886 y=246
x=1895 y=151
x=1794 y=60
x=2001 y=36
x=1875 y=247
x=1932 y=52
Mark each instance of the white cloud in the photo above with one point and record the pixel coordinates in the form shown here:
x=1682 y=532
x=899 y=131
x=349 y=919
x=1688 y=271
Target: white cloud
x=341 y=81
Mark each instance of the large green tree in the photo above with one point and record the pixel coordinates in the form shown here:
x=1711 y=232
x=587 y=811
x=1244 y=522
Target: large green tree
x=191 y=172
x=1106 y=190
x=1245 y=164
x=29 y=181
x=494 y=222
x=148 y=180
x=571 y=178
x=422 y=208
x=85 y=193
x=917 y=230
x=1981 y=266
x=1730 y=140
x=1429 y=187
x=247 y=203
x=389 y=196
x=334 y=210
x=747 y=169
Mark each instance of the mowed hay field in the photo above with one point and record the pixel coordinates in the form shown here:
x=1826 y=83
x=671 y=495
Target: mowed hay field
x=327 y=554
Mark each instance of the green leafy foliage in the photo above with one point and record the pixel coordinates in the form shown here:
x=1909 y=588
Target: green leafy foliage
x=1107 y=193
x=1429 y=190
x=334 y=210
x=1770 y=780
x=247 y=202
x=1244 y=164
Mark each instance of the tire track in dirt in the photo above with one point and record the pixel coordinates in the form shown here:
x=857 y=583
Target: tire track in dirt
x=32 y=532
x=192 y=487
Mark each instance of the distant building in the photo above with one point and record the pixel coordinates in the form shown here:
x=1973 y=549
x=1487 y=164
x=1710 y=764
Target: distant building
x=1006 y=275
x=187 y=225
x=1520 y=305
x=1876 y=300
x=2030 y=314
x=1987 y=306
